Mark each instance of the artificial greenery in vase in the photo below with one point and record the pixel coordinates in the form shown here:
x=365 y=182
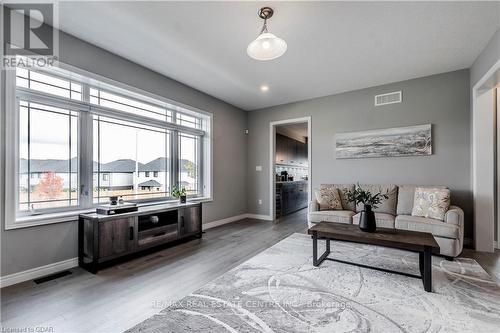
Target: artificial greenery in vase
x=369 y=200
x=179 y=193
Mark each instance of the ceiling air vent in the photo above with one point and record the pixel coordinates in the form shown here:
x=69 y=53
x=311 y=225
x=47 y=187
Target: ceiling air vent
x=389 y=98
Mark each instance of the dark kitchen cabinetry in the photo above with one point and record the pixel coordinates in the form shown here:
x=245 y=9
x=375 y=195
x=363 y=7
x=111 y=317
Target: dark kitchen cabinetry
x=291 y=197
x=290 y=151
x=102 y=238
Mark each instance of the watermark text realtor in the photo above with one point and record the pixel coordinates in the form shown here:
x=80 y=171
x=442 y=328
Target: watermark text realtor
x=30 y=36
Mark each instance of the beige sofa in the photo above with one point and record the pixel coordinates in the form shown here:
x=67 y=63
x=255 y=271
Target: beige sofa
x=395 y=212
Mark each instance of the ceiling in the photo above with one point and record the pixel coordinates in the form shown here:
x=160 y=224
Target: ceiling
x=297 y=131
x=332 y=46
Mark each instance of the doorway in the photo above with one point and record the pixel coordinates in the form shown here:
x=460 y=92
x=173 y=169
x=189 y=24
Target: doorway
x=290 y=166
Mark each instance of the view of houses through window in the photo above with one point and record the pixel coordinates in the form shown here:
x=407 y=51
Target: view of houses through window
x=132 y=149
x=125 y=157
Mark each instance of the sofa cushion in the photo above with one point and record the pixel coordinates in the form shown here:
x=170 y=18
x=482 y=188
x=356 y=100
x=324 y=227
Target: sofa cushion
x=423 y=224
x=382 y=220
x=406 y=196
x=386 y=206
x=328 y=198
x=342 y=188
x=431 y=202
x=340 y=216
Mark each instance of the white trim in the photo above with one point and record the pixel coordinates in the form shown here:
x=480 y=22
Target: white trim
x=37 y=272
x=235 y=218
x=12 y=220
x=227 y=220
x=272 y=148
x=260 y=217
x=11 y=150
x=475 y=166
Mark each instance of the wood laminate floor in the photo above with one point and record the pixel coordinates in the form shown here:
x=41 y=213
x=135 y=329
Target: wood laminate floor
x=121 y=296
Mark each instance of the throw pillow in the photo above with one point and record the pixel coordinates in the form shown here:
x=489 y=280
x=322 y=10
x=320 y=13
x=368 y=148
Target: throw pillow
x=328 y=198
x=431 y=202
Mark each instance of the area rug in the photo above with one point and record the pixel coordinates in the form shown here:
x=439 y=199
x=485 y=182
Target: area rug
x=279 y=290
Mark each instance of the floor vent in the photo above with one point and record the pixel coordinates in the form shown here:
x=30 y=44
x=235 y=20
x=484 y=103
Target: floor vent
x=52 y=277
x=389 y=98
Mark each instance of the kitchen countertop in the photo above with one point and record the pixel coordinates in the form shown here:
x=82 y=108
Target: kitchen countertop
x=291 y=182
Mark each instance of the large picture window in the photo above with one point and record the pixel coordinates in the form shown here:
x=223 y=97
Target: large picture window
x=80 y=140
x=128 y=153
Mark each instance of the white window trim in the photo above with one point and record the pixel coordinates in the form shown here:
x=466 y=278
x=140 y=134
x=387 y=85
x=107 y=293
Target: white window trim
x=12 y=221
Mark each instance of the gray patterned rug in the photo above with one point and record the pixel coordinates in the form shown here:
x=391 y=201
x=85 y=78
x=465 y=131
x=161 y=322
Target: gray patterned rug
x=279 y=290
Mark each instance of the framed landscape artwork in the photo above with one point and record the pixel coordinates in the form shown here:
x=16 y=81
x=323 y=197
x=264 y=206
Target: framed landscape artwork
x=391 y=142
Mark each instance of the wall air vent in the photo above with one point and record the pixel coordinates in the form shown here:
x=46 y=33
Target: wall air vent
x=389 y=98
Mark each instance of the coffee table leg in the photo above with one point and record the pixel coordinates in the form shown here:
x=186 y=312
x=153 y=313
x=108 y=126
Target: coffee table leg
x=427 y=276
x=317 y=261
x=315 y=248
x=421 y=263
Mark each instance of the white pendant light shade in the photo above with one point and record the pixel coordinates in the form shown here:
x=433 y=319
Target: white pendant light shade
x=266 y=47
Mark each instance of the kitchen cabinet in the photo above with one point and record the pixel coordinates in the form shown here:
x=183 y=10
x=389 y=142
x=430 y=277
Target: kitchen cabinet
x=291 y=197
x=290 y=151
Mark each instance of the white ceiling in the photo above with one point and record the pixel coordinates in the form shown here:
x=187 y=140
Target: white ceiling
x=332 y=46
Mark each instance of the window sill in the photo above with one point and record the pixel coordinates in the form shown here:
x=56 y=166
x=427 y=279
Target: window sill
x=44 y=219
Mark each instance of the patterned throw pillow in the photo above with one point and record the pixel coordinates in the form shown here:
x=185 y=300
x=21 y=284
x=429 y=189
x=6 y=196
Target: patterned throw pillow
x=328 y=198
x=431 y=202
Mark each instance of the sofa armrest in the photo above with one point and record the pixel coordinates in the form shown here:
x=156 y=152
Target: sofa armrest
x=455 y=215
x=313 y=206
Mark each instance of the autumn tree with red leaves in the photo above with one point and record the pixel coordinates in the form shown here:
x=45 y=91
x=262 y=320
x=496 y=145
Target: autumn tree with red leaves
x=50 y=187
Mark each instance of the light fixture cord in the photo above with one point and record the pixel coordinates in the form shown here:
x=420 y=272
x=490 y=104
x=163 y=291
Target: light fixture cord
x=264 y=27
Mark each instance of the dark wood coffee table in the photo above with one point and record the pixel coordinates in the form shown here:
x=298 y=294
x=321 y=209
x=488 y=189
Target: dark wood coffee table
x=421 y=242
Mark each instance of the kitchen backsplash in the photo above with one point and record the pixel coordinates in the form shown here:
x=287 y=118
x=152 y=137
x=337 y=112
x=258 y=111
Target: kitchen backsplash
x=298 y=173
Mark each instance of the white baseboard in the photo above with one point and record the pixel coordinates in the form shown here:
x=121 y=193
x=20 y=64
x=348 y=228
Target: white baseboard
x=217 y=223
x=259 y=217
x=37 y=272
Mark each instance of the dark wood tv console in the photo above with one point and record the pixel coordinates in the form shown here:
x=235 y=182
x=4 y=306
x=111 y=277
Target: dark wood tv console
x=103 y=238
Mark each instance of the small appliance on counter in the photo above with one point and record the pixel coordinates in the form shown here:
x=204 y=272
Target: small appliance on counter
x=116 y=206
x=284 y=176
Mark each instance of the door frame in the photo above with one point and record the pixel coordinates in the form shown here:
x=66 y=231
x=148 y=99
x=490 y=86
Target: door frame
x=485 y=198
x=272 y=163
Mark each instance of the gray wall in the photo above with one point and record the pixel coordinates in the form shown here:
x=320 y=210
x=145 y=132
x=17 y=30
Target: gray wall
x=441 y=100
x=486 y=59
x=27 y=248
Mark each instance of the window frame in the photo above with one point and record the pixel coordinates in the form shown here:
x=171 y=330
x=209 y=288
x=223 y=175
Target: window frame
x=85 y=138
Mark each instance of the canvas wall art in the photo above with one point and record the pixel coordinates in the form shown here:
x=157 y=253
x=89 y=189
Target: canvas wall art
x=399 y=141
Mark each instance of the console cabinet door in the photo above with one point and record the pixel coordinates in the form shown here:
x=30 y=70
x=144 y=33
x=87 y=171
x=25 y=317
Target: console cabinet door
x=189 y=221
x=116 y=236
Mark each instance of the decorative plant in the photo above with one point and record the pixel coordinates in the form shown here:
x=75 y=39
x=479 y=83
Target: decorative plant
x=358 y=195
x=178 y=193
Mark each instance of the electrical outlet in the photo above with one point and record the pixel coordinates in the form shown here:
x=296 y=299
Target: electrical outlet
x=260 y=201
x=258 y=168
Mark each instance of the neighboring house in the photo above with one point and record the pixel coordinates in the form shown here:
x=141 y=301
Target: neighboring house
x=115 y=175
x=151 y=185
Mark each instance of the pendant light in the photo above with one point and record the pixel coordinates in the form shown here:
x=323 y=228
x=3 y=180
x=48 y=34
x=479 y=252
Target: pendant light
x=266 y=46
